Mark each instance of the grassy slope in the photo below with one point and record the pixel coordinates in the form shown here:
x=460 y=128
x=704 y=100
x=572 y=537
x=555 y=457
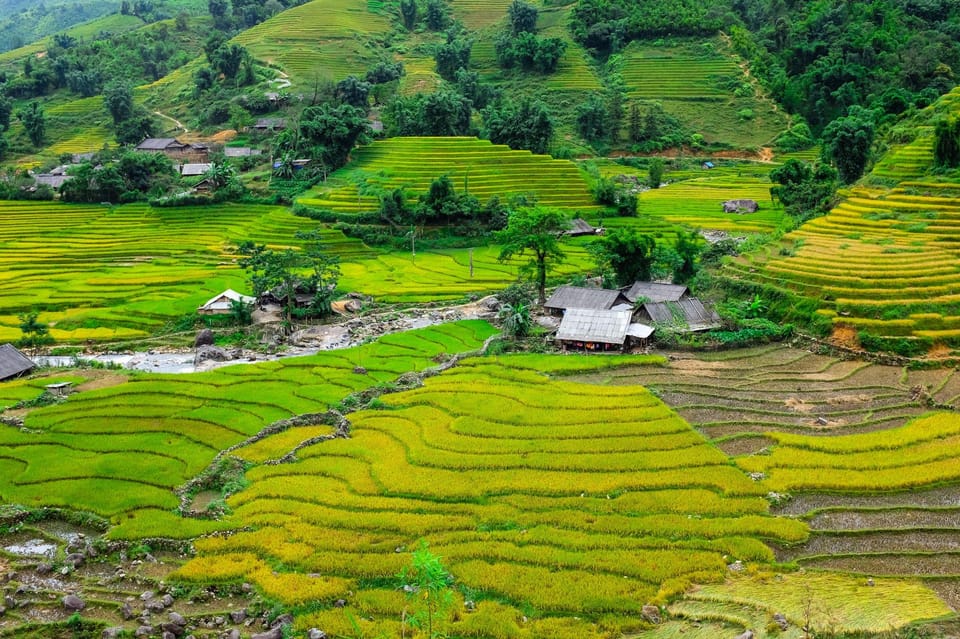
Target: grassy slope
x=883 y=260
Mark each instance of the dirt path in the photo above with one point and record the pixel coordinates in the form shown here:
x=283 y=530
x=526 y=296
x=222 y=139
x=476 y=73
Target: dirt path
x=174 y=120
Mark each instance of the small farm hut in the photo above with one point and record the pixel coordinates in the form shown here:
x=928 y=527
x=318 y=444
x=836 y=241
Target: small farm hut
x=655 y=292
x=707 y=165
x=599 y=330
x=269 y=124
x=688 y=315
x=193 y=170
x=222 y=303
x=13 y=363
x=580 y=226
x=568 y=297
x=239 y=151
x=740 y=206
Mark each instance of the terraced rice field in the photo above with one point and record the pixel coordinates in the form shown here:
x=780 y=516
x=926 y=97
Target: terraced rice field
x=322 y=39
x=119 y=452
x=511 y=478
x=114 y=23
x=871 y=469
x=882 y=262
x=100 y=273
x=486 y=169
x=696 y=83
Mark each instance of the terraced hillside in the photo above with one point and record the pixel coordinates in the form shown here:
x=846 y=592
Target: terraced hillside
x=484 y=169
x=534 y=492
x=119 y=452
x=881 y=264
x=702 y=84
x=101 y=273
x=852 y=449
x=325 y=39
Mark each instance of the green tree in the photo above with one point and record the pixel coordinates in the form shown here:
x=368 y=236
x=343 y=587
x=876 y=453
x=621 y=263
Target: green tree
x=6 y=110
x=626 y=252
x=635 y=125
x=408 y=11
x=35 y=333
x=118 y=98
x=526 y=124
x=803 y=189
x=437 y=18
x=328 y=133
x=847 y=142
x=688 y=247
x=946 y=149
x=228 y=59
x=534 y=231
x=523 y=16
x=515 y=319
x=452 y=55
x=353 y=91
x=427 y=584
x=34 y=121
x=592 y=119
x=655 y=173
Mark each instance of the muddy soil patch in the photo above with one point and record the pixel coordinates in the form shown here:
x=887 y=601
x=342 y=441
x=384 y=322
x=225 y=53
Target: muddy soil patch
x=881 y=542
x=891 y=565
x=899 y=518
x=944 y=496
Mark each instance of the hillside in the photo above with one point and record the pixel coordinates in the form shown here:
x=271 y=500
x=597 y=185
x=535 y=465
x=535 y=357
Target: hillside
x=881 y=264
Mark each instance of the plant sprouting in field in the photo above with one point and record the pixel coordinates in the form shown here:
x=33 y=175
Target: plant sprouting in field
x=427 y=584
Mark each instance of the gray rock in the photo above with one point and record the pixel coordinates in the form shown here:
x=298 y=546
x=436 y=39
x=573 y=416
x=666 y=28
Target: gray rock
x=781 y=620
x=315 y=633
x=273 y=633
x=74 y=603
x=166 y=634
x=143 y=631
x=75 y=559
x=166 y=600
x=174 y=630
x=219 y=621
x=3 y=611
x=146 y=596
x=43 y=568
x=353 y=306
x=746 y=635
x=287 y=619
x=233 y=634
x=126 y=611
x=204 y=338
x=177 y=619
x=339 y=603
x=237 y=616
x=469 y=605
x=111 y=633
x=155 y=605
x=245 y=587
x=211 y=353
x=651 y=614
x=736 y=566
x=870 y=581
x=10 y=602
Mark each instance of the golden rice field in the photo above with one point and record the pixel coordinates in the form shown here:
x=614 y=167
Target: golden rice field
x=115 y=273
x=120 y=451
x=476 y=166
x=322 y=39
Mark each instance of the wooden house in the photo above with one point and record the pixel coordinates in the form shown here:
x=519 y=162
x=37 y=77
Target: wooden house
x=655 y=292
x=580 y=227
x=222 y=304
x=600 y=330
x=597 y=299
x=687 y=315
x=193 y=170
x=269 y=124
x=175 y=149
x=13 y=363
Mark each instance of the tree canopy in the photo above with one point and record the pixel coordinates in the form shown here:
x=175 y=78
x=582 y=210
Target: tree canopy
x=534 y=231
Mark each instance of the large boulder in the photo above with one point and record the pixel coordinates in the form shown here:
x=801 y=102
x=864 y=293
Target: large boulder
x=204 y=338
x=651 y=614
x=213 y=354
x=73 y=603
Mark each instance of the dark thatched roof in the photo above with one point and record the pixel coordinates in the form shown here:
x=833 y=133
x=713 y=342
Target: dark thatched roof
x=655 y=292
x=585 y=325
x=13 y=363
x=578 y=297
x=160 y=144
x=580 y=226
x=687 y=315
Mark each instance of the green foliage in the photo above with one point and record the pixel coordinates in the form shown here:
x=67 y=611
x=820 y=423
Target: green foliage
x=353 y=91
x=437 y=15
x=626 y=252
x=133 y=176
x=535 y=231
x=427 y=584
x=946 y=148
x=515 y=319
x=525 y=124
x=326 y=134
x=847 y=142
x=522 y=16
x=655 y=170
x=408 y=11
x=805 y=190
x=34 y=121
x=688 y=247
x=453 y=55
x=592 y=119
x=528 y=51
x=443 y=113
x=35 y=333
